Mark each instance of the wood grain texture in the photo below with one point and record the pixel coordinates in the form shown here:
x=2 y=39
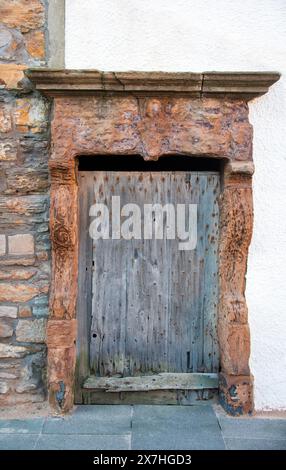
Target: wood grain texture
x=164 y=381
x=152 y=397
x=154 y=307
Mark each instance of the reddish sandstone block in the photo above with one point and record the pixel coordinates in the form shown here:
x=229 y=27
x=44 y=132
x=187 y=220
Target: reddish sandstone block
x=20 y=292
x=17 y=274
x=61 y=333
x=31 y=114
x=11 y=75
x=236 y=394
x=35 y=44
x=61 y=365
x=235 y=346
x=25 y=311
x=22 y=14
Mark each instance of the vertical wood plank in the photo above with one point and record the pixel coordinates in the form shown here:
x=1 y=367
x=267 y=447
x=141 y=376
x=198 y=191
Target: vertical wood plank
x=84 y=301
x=154 y=307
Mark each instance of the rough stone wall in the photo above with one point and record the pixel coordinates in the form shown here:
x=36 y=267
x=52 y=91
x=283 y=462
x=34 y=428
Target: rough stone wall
x=24 y=203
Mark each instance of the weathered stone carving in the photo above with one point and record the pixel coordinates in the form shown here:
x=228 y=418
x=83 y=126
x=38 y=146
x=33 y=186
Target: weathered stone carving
x=142 y=114
x=236 y=220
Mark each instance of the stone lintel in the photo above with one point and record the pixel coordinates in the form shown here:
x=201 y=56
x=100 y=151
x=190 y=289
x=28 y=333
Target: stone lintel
x=238 y=85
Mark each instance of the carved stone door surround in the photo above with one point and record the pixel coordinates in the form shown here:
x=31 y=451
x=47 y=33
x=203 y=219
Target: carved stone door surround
x=153 y=115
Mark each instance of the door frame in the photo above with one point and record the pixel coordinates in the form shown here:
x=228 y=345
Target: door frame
x=152 y=115
x=236 y=214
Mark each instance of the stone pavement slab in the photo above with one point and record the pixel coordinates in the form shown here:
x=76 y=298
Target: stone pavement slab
x=175 y=427
x=83 y=442
x=21 y=426
x=144 y=427
x=92 y=419
x=248 y=428
x=18 y=441
x=255 y=444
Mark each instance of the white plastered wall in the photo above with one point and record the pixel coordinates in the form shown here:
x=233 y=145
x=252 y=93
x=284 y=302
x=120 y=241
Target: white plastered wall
x=200 y=35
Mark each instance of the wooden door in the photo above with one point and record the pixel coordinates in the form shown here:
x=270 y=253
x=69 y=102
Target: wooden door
x=147 y=310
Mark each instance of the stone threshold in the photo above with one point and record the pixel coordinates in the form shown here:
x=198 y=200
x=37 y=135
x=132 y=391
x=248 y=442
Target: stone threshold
x=239 y=85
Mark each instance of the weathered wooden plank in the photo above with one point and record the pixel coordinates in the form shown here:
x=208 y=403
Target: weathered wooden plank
x=163 y=381
x=154 y=397
x=148 y=307
x=152 y=304
x=85 y=196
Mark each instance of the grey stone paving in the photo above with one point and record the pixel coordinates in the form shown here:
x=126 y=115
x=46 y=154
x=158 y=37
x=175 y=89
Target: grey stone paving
x=143 y=427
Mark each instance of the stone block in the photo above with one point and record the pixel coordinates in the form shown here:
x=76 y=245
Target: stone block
x=8 y=375
x=18 y=292
x=21 y=244
x=8 y=150
x=4 y=387
x=2 y=245
x=6 y=329
x=31 y=331
x=27 y=180
x=236 y=394
x=25 y=311
x=235 y=344
x=35 y=44
x=17 y=274
x=31 y=115
x=12 y=46
x=17 y=261
x=11 y=76
x=22 y=14
x=61 y=333
x=11 y=351
x=5 y=118
x=8 y=311
x=32 y=373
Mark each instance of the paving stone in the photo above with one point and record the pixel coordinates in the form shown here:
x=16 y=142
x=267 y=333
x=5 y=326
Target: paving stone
x=95 y=419
x=21 y=426
x=245 y=428
x=255 y=444
x=21 y=442
x=82 y=442
x=175 y=427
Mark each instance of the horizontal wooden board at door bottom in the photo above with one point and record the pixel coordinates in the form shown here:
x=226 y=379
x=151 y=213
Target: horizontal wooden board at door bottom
x=147 y=383
x=155 y=397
